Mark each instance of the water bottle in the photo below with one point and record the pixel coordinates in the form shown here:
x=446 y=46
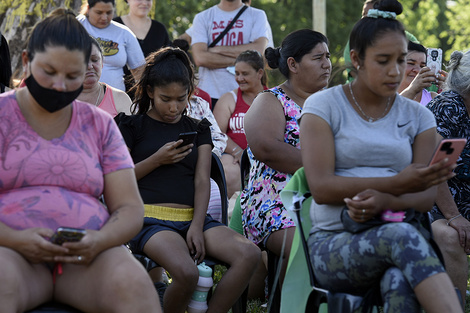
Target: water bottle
x=198 y=303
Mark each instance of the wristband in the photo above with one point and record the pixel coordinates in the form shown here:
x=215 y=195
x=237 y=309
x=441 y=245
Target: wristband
x=239 y=151
x=234 y=154
x=453 y=218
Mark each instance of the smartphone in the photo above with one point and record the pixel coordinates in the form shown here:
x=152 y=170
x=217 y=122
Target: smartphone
x=67 y=234
x=434 y=59
x=187 y=138
x=449 y=148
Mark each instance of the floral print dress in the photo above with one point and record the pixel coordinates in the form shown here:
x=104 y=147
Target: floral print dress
x=453 y=121
x=262 y=209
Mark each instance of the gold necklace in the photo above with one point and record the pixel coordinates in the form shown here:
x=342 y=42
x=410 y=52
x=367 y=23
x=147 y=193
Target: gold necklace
x=99 y=95
x=370 y=119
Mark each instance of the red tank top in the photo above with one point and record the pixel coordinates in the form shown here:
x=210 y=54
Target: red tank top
x=235 y=129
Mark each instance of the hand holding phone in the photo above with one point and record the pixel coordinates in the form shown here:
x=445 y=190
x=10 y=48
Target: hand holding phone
x=449 y=148
x=67 y=234
x=187 y=138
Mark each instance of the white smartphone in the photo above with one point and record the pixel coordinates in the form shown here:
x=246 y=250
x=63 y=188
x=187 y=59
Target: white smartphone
x=434 y=59
x=449 y=148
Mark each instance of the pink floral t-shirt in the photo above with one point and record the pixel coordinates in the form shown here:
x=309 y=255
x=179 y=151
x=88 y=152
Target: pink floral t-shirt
x=53 y=183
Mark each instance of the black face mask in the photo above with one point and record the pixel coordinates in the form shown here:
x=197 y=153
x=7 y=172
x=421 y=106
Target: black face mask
x=50 y=99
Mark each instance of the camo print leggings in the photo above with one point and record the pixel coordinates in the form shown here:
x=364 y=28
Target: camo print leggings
x=395 y=252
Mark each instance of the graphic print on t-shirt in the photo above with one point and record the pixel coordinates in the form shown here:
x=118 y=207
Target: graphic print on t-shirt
x=233 y=37
x=109 y=46
x=236 y=123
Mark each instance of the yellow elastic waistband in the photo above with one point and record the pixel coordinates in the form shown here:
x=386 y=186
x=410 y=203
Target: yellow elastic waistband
x=169 y=214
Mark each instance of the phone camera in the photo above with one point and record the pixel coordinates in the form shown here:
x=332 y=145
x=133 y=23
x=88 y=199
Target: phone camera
x=447 y=147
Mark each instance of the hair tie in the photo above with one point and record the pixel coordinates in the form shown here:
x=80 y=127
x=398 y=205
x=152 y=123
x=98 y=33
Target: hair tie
x=374 y=13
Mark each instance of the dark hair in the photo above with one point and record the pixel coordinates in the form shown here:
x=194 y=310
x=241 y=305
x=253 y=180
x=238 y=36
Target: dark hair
x=183 y=45
x=366 y=31
x=95 y=43
x=56 y=31
x=295 y=45
x=254 y=59
x=5 y=63
x=163 y=67
x=413 y=46
x=92 y=3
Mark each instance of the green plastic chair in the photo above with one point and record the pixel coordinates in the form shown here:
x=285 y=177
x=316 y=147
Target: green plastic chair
x=299 y=291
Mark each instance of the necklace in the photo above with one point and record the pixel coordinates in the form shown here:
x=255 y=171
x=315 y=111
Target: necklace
x=99 y=95
x=370 y=119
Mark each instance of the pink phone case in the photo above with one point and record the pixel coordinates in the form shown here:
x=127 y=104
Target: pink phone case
x=449 y=148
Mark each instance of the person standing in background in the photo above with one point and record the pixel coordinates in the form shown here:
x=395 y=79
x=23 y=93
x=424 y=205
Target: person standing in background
x=120 y=46
x=248 y=33
x=151 y=34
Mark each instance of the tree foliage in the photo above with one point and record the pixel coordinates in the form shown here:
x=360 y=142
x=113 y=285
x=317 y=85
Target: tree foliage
x=436 y=23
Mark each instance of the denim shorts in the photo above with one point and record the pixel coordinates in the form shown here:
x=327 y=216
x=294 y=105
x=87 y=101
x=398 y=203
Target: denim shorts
x=153 y=226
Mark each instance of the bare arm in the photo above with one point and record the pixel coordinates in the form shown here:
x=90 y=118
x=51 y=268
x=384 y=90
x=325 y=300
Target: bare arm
x=233 y=51
x=223 y=56
x=264 y=129
x=423 y=80
x=136 y=72
x=222 y=113
x=125 y=207
x=194 y=238
x=122 y=102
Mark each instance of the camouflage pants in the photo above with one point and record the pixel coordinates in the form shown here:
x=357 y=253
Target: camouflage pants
x=396 y=254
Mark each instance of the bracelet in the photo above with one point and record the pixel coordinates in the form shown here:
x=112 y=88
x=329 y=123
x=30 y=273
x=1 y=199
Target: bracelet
x=453 y=218
x=239 y=151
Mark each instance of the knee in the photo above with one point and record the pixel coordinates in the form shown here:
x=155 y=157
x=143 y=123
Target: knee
x=186 y=276
x=249 y=257
x=131 y=281
x=447 y=238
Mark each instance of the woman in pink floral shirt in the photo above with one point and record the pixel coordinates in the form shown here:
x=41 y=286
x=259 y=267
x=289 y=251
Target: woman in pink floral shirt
x=58 y=156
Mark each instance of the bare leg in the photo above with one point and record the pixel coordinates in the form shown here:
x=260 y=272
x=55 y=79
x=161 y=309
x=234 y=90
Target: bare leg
x=274 y=244
x=455 y=257
x=242 y=256
x=232 y=174
x=437 y=294
x=256 y=288
x=114 y=282
x=23 y=285
x=169 y=250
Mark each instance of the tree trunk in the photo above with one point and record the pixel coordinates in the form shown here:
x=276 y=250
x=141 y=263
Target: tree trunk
x=20 y=16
